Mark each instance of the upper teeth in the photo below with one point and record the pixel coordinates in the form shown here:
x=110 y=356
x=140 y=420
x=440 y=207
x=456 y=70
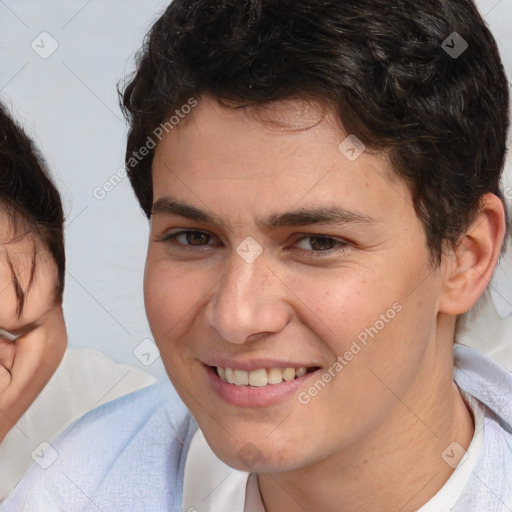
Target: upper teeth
x=261 y=377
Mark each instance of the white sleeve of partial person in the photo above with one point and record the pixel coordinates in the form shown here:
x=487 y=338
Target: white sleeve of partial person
x=84 y=380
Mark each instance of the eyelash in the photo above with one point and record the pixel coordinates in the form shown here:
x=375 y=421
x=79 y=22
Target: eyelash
x=171 y=239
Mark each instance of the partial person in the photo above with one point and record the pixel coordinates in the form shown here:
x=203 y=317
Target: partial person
x=32 y=330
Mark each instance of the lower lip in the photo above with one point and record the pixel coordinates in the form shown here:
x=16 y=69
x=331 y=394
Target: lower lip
x=250 y=396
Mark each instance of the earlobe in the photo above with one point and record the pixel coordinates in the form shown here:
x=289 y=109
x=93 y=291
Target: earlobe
x=470 y=266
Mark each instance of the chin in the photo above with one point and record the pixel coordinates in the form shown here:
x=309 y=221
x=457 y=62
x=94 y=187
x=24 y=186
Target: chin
x=254 y=454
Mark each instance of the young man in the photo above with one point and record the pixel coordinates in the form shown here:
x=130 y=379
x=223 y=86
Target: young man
x=323 y=184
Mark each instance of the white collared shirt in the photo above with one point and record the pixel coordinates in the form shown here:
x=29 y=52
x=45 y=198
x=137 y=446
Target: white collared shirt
x=210 y=485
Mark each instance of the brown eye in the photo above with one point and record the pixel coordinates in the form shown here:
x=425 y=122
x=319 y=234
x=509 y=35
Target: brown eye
x=316 y=246
x=188 y=239
x=196 y=238
x=318 y=243
x=321 y=243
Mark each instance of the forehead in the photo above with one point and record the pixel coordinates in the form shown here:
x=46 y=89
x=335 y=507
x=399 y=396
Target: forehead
x=289 y=154
x=231 y=135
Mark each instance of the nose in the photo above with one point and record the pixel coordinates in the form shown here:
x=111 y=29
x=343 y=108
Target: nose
x=248 y=303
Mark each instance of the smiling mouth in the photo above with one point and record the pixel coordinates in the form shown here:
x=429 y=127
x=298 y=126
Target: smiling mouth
x=261 y=377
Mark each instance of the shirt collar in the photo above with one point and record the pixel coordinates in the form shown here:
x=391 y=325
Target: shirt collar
x=209 y=485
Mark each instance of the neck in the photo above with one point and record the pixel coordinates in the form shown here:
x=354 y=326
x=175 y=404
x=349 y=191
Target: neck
x=395 y=467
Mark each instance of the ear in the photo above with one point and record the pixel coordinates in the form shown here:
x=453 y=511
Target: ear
x=470 y=267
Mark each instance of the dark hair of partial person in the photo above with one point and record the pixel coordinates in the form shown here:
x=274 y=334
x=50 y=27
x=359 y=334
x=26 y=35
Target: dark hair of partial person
x=29 y=200
x=380 y=64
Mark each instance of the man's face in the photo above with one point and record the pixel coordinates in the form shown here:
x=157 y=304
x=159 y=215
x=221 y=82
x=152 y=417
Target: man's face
x=27 y=363
x=302 y=257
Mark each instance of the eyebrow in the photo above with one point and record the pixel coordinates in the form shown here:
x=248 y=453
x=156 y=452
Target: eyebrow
x=169 y=206
x=306 y=217
x=300 y=217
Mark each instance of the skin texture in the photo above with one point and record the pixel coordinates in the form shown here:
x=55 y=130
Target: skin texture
x=27 y=364
x=356 y=445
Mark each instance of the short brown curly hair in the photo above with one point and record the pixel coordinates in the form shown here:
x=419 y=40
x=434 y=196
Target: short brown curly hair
x=381 y=64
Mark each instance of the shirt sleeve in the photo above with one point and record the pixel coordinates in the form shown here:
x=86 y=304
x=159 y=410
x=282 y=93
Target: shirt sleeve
x=125 y=455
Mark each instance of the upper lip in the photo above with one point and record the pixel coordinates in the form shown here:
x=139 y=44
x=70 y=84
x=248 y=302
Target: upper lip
x=257 y=364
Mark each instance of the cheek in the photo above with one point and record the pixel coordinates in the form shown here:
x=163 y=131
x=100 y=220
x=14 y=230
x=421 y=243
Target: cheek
x=172 y=297
x=370 y=319
x=339 y=304
x=379 y=341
